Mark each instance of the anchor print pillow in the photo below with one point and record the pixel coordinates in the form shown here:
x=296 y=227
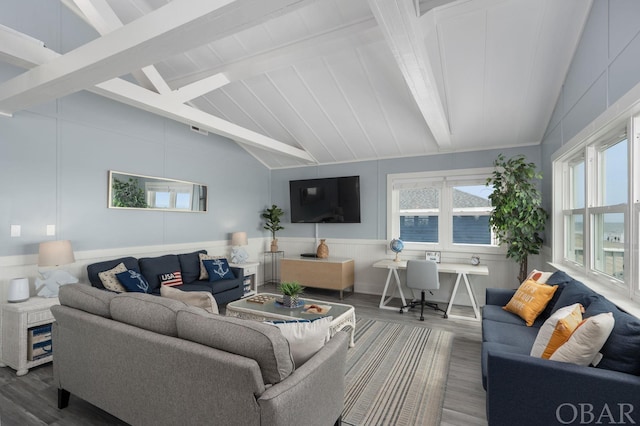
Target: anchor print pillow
x=133 y=281
x=218 y=269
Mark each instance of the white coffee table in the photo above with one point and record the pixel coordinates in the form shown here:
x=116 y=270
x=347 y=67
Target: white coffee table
x=343 y=315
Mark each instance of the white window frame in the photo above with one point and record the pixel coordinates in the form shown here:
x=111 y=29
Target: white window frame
x=445 y=180
x=590 y=148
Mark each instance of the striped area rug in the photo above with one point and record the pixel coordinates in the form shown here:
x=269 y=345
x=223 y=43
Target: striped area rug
x=396 y=374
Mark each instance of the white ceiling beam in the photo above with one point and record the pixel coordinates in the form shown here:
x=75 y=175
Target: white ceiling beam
x=103 y=19
x=174 y=28
x=345 y=37
x=398 y=20
x=27 y=52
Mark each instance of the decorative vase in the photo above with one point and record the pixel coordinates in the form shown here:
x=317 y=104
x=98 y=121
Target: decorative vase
x=290 y=301
x=274 y=245
x=323 y=250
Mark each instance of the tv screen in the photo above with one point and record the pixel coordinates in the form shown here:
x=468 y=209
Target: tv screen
x=326 y=200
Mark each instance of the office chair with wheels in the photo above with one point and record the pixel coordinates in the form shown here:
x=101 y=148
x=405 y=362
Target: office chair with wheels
x=423 y=275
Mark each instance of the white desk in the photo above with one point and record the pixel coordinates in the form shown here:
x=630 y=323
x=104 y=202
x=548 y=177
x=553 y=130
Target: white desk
x=462 y=271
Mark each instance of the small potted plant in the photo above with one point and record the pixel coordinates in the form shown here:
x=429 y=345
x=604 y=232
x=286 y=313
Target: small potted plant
x=272 y=215
x=291 y=291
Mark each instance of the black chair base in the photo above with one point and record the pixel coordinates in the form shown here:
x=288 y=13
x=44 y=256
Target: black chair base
x=422 y=304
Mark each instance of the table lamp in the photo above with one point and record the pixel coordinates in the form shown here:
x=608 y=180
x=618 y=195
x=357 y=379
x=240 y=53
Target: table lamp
x=54 y=253
x=238 y=253
x=18 y=290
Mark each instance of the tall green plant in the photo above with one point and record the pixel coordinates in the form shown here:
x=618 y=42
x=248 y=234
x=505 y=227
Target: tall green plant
x=272 y=216
x=517 y=218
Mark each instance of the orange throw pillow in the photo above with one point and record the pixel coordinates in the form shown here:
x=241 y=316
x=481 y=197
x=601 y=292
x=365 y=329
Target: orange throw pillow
x=530 y=300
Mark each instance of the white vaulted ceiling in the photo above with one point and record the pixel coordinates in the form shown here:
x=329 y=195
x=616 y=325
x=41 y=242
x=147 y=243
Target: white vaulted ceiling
x=298 y=82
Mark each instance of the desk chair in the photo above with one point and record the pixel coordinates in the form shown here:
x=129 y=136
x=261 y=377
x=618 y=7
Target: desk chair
x=423 y=275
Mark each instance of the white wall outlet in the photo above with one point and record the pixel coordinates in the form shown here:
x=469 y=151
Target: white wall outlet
x=51 y=230
x=15 y=230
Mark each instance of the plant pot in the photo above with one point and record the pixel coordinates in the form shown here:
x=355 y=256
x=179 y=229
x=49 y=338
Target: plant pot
x=274 y=245
x=290 y=301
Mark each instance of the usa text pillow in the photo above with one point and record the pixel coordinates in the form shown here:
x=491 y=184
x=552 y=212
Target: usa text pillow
x=556 y=330
x=170 y=278
x=584 y=345
x=530 y=299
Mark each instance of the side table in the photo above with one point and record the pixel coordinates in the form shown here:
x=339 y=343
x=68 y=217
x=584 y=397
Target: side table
x=250 y=273
x=16 y=320
x=271 y=272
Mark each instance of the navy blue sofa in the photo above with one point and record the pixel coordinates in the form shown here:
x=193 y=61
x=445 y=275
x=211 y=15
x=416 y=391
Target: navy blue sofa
x=224 y=291
x=523 y=390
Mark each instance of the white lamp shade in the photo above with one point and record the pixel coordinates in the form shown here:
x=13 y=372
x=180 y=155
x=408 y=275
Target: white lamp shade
x=18 y=290
x=239 y=239
x=55 y=253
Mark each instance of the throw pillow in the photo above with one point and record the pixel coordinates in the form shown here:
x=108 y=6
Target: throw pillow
x=133 y=281
x=218 y=269
x=170 y=278
x=109 y=279
x=539 y=276
x=305 y=337
x=584 y=345
x=204 y=275
x=556 y=330
x=200 y=299
x=529 y=300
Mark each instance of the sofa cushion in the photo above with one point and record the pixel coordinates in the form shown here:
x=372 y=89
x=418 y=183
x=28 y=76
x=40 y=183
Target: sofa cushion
x=190 y=266
x=621 y=351
x=261 y=342
x=87 y=298
x=157 y=314
x=218 y=269
x=584 y=345
x=200 y=299
x=95 y=268
x=530 y=300
x=496 y=313
x=573 y=291
x=133 y=281
x=556 y=330
x=509 y=334
x=305 y=337
x=170 y=278
x=204 y=275
x=153 y=267
x=110 y=280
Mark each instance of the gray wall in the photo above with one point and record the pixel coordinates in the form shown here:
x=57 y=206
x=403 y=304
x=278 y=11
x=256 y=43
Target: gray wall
x=54 y=163
x=373 y=188
x=606 y=66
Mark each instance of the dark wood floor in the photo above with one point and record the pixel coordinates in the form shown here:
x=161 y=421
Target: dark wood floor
x=32 y=399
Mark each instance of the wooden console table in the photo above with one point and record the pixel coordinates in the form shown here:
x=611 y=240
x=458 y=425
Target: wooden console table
x=333 y=273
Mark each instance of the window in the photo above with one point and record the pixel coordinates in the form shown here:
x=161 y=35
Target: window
x=432 y=211
x=593 y=184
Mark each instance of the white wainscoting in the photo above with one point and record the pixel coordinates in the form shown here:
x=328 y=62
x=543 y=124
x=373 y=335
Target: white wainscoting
x=502 y=272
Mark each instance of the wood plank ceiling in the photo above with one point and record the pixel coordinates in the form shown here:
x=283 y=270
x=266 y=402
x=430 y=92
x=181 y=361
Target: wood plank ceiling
x=300 y=82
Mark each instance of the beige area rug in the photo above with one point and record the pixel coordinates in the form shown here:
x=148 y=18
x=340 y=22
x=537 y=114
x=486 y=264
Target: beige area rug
x=396 y=374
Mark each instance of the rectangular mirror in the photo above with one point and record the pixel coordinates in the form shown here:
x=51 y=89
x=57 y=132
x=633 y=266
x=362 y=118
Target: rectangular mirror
x=129 y=191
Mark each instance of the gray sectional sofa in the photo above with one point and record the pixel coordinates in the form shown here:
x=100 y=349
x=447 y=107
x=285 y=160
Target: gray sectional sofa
x=150 y=360
x=523 y=390
x=188 y=264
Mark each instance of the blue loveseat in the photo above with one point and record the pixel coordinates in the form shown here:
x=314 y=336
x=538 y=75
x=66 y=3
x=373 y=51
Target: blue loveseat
x=523 y=390
x=188 y=264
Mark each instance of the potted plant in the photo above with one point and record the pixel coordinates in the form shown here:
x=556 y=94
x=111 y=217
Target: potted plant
x=128 y=194
x=517 y=217
x=272 y=216
x=291 y=290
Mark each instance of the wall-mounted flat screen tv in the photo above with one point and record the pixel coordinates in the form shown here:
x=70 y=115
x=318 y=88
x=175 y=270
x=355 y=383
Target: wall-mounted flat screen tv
x=326 y=200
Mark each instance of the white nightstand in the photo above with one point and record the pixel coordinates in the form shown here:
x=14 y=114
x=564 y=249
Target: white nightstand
x=250 y=271
x=16 y=320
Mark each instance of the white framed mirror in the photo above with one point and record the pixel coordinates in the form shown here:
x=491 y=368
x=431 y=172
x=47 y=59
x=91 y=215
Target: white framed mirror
x=131 y=191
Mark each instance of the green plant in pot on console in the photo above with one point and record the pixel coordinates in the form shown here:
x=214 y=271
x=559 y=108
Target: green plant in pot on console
x=272 y=216
x=291 y=291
